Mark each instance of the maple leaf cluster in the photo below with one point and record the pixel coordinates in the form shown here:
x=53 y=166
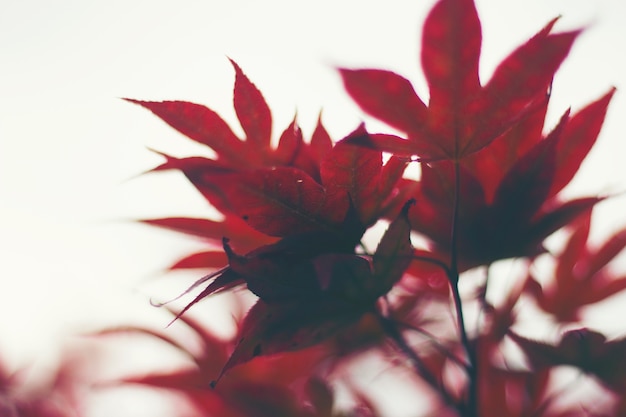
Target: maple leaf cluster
x=295 y=212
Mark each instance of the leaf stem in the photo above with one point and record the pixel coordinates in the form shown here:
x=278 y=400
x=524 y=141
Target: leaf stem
x=453 y=277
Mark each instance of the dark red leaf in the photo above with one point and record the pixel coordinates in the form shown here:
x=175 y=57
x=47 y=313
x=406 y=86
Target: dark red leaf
x=179 y=380
x=252 y=110
x=451 y=43
x=293 y=151
x=200 y=124
x=207 y=259
x=245 y=237
x=241 y=391
x=462 y=117
x=348 y=278
x=389 y=97
x=221 y=280
x=321 y=143
x=575 y=249
x=390 y=176
x=525 y=187
x=276 y=276
x=553 y=218
x=373 y=188
x=205 y=174
x=275 y=328
x=191 y=164
x=529 y=238
x=353 y=170
x=393 y=190
x=578 y=137
x=585 y=349
x=394 y=253
x=433 y=211
x=521 y=204
x=493 y=162
x=232 y=153
x=232 y=227
x=284 y=201
x=289 y=144
x=601 y=257
x=520 y=82
x=581 y=276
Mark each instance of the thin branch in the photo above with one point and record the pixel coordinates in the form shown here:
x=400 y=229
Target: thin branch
x=453 y=277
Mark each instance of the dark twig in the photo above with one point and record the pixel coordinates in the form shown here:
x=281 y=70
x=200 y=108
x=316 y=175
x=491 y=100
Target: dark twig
x=453 y=277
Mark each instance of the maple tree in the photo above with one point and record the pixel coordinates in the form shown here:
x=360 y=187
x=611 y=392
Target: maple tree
x=313 y=296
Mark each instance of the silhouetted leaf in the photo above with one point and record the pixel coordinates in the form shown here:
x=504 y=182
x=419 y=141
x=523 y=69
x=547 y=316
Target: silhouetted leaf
x=585 y=349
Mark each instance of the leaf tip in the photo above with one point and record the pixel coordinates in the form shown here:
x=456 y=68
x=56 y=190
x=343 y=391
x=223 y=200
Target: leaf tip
x=405 y=208
x=360 y=137
x=238 y=70
x=609 y=95
x=548 y=27
x=141 y=103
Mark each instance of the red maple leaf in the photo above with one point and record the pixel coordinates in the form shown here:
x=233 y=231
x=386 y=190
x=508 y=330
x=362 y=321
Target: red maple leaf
x=233 y=154
x=507 y=197
x=203 y=125
x=294 y=213
x=284 y=200
x=312 y=219
x=268 y=386
x=212 y=232
x=582 y=276
x=503 y=192
x=309 y=286
x=585 y=349
x=297 y=187
x=462 y=116
x=310 y=282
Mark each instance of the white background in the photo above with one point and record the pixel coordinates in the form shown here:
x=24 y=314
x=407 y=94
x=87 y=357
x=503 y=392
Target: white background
x=71 y=258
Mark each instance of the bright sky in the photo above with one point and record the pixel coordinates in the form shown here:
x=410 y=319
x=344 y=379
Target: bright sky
x=71 y=259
